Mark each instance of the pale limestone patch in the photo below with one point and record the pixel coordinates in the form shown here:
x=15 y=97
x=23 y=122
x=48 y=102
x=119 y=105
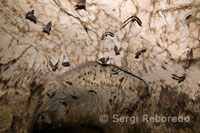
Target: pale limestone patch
x=181 y=2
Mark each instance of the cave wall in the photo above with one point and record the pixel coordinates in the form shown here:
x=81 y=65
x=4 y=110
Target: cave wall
x=168 y=34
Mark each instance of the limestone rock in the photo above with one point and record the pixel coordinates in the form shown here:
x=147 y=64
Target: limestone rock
x=38 y=93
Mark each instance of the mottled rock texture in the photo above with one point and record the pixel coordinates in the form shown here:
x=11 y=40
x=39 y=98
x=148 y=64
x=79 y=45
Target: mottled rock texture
x=51 y=78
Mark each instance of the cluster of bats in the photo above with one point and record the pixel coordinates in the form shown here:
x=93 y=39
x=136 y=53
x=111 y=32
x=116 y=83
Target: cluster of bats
x=30 y=16
x=82 y=5
x=116 y=49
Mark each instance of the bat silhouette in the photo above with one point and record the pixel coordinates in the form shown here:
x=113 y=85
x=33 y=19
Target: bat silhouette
x=117 y=50
x=137 y=55
x=47 y=29
x=179 y=79
x=66 y=64
x=132 y=19
x=80 y=5
x=106 y=34
x=104 y=60
x=54 y=67
x=30 y=16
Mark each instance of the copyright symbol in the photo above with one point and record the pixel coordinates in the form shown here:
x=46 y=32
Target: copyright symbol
x=103 y=118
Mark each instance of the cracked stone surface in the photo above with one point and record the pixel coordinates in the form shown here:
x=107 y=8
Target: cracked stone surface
x=33 y=79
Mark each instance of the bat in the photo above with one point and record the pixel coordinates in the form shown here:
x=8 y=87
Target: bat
x=74 y=97
x=117 y=51
x=54 y=67
x=104 y=60
x=80 y=5
x=68 y=82
x=30 y=16
x=106 y=34
x=188 y=17
x=179 y=79
x=47 y=29
x=132 y=19
x=66 y=64
x=137 y=55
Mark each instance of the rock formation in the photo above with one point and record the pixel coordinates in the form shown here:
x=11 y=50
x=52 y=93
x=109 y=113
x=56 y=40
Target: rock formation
x=99 y=66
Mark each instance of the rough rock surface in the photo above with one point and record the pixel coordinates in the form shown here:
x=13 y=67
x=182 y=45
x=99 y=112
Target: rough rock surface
x=50 y=78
